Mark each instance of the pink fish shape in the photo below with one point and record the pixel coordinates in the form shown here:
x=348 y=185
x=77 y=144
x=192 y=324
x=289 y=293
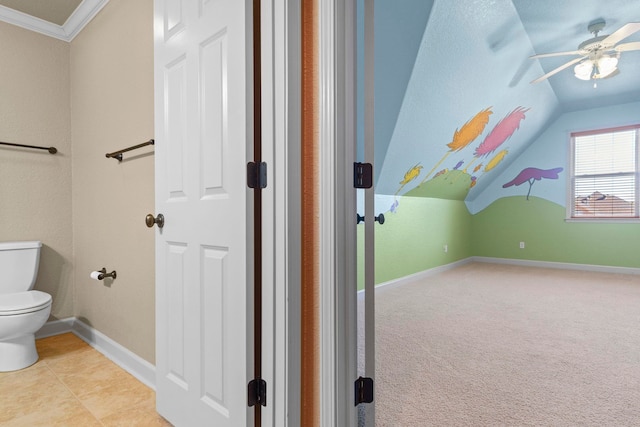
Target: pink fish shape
x=501 y=132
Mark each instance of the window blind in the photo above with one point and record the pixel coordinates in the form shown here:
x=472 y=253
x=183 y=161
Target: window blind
x=605 y=174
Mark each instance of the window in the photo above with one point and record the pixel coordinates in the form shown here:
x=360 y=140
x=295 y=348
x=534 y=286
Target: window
x=604 y=181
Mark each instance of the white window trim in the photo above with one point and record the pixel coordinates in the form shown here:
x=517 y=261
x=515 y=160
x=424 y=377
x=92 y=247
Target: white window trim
x=570 y=205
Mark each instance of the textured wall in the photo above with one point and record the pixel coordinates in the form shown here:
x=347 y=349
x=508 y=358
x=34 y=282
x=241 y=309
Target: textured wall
x=503 y=217
x=112 y=108
x=550 y=150
x=456 y=74
x=35 y=186
x=498 y=230
x=412 y=239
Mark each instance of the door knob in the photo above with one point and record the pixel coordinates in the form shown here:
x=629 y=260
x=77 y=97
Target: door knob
x=150 y=220
x=379 y=218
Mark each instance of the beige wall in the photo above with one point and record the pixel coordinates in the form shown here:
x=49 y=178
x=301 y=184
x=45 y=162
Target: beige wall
x=112 y=108
x=35 y=186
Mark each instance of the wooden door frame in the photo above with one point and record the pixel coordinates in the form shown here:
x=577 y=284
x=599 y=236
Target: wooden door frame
x=281 y=24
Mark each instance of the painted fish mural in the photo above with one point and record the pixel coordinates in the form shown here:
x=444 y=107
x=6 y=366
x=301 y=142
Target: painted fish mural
x=499 y=134
x=531 y=175
x=465 y=136
x=458 y=179
x=409 y=176
x=495 y=161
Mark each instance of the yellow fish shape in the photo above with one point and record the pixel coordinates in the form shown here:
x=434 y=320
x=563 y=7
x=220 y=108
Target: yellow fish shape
x=496 y=159
x=411 y=174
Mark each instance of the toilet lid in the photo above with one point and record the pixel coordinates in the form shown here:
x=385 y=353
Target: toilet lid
x=23 y=302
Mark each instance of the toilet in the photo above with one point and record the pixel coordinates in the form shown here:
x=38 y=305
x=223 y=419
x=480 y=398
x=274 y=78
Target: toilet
x=23 y=311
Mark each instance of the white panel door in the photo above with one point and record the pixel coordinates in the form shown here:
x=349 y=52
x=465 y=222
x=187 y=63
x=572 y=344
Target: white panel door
x=202 y=129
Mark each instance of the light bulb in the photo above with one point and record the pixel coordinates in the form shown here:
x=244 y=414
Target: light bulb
x=606 y=65
x=583 y=70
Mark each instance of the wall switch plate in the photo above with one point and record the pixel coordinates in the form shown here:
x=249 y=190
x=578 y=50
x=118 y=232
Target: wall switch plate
x=446 y=248
x=521 y=245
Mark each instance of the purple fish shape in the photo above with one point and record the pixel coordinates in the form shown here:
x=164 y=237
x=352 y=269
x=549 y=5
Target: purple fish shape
x=531 y=175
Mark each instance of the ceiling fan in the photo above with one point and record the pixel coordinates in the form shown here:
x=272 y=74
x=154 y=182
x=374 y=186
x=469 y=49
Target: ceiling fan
x=597 y=56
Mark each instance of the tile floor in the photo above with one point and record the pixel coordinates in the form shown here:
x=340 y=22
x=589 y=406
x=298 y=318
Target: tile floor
x=74 y=385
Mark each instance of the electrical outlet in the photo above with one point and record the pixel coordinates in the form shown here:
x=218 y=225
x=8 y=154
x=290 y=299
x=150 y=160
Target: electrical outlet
x=446 y=248
x=521 y=245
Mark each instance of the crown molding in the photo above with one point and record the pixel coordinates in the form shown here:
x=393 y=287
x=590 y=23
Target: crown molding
x=84 y=13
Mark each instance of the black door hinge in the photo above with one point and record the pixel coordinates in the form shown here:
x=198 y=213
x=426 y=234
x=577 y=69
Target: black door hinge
x=257 y=392
x=257 y=175
x=362 y=175
x=364 y=390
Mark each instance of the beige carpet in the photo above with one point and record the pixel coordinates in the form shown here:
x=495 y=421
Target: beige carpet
x=497 y=345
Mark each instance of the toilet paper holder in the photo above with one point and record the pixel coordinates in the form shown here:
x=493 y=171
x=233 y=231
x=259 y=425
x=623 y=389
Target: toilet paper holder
x=103 y=274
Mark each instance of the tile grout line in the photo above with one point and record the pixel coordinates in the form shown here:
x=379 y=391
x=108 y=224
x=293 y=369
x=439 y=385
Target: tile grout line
x=131 y=407
x=72 y=393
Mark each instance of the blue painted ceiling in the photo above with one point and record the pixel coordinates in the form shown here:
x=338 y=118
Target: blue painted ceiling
x=559 y=26
x=474 y=54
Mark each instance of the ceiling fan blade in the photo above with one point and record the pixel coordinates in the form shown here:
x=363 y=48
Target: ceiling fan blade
x=546 y=55
x=627 y=46
x=622 y=33
x=557 y=70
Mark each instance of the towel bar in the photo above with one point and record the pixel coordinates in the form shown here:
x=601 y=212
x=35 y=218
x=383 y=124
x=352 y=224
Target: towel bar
x=118 y=154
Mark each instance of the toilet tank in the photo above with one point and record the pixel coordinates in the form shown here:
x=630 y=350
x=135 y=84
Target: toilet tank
x=18 y=265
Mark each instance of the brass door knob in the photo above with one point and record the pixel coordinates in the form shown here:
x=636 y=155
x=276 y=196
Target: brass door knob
x=150 y=220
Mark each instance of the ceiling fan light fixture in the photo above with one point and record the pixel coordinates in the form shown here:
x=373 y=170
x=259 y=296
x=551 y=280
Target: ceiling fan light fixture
x=583 y=70
x=606 y=66
x=598 y=56
x=596 y=69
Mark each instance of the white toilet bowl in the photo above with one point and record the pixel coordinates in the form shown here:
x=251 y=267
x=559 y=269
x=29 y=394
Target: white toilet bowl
x=22 y=314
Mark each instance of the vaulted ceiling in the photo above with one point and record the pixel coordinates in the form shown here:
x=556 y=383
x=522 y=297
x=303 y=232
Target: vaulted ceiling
x=558 y=26
x=475 y=54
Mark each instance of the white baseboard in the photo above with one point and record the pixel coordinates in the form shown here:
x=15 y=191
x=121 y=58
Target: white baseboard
x=56 y=327
x=558 y=265
x=144 y=371
x=420 y=275
x=509 y=261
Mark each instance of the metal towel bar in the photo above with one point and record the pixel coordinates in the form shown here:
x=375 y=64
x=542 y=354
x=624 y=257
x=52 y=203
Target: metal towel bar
x=118 y=154
x=51 y=150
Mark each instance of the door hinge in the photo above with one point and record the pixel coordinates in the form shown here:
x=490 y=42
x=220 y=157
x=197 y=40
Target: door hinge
x=258 y=392
x=364 y=390
x=362 y=175
x=257 y=175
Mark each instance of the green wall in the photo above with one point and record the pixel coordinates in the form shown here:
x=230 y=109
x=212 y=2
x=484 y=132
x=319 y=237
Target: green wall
x=412 y=239
x=498 y=230
x=495 y=222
